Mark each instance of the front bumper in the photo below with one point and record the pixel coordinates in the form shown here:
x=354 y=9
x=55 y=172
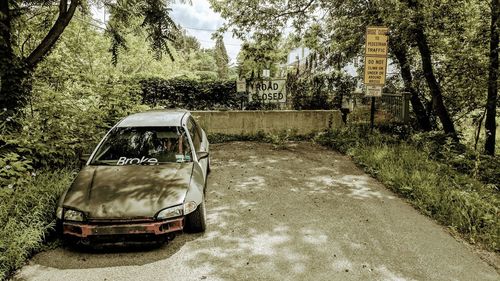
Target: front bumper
x=84 y=230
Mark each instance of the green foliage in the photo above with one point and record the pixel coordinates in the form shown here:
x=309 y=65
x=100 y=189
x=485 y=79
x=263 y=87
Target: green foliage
x=222 y=138
x=190 y=94
x=210 y=94
x=55 y=134
x=278 y=140
x=221 y=58
x=319 y=91
x=14 y=170
x=27 y=216
x=154 y=16
x=75 y=100
x=484 y=168
x=453 y=198
x=263 y=51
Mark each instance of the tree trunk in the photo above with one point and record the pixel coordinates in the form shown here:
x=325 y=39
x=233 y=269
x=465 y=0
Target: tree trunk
x=14 y=91
x=434 y=87
x=15 y=73
x=437 y=98
x=11 y=94
x=402 y=56
x=426 y=55
x=491 y=104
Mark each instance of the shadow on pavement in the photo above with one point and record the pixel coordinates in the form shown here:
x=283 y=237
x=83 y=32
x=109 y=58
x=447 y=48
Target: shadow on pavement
x=100 y=256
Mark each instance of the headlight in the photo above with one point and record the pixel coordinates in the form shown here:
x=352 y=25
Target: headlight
x=170 y=212
x=189 y=207
x=73 y=215
x=59 y=213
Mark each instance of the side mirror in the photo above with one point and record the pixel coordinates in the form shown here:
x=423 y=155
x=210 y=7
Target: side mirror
x=202 y=155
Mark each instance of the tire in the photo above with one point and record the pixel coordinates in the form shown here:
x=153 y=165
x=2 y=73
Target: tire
x=208 y=166
x=59 y=229
x=196 y=221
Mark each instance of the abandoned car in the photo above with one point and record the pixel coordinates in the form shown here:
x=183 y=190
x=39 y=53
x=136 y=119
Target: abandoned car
x=146 y=179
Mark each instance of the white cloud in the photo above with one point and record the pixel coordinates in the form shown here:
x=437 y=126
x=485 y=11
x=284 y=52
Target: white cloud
x=201 y=21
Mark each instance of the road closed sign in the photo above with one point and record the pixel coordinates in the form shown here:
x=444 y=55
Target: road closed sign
x=268 y=91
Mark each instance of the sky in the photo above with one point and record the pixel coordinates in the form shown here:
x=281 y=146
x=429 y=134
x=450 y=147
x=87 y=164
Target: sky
x=200 y=21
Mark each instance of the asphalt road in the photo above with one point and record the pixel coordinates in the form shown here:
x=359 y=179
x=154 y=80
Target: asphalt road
x=304 y=213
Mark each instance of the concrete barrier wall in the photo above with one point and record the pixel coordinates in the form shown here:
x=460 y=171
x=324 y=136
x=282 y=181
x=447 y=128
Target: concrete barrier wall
x=251 y=122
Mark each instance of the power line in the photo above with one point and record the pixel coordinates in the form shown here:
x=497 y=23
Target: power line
x=200 y=29
x=104 y=29
x=185 y=27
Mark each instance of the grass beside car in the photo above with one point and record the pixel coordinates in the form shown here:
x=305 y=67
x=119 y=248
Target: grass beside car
x=27 y=216
x=462 y=203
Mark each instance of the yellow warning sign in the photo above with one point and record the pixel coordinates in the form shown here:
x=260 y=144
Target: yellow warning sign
x=376 y=55
x=375 y=69
x=376 y=41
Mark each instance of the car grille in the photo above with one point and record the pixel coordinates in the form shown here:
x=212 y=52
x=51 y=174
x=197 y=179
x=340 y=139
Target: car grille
x=119 y=221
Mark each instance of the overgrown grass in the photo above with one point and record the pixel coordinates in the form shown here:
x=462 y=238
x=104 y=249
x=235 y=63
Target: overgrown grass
x=278 y=140
x=456 y=200
x=27 y=216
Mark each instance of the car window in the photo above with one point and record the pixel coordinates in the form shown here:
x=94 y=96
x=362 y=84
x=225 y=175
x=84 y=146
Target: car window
x=144 y=145
x=195 y=135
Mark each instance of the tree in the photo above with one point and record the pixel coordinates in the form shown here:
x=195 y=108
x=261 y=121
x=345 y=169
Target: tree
x=186 y=43
x=490 y=123
x=426 y=56
x=261 y=52
x=400 y=51
x=344 y=23
x=221 y=58
x=17 y=63
x=15 y=69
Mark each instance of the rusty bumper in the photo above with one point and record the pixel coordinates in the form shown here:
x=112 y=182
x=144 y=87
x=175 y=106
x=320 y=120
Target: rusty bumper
x=83 y=230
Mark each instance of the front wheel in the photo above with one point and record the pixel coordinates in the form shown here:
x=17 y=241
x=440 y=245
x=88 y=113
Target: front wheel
x=196 y=221
x=208 y=166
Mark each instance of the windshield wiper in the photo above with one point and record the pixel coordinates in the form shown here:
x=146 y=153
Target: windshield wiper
x=103 y=163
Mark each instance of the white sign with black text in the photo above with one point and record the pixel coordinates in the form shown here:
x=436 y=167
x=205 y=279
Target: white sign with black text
x=268 y=91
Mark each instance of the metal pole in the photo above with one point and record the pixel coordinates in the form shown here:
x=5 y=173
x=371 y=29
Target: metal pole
x=372 y=114
x=406 y=107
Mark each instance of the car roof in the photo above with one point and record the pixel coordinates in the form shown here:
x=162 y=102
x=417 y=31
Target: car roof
x=154 y=118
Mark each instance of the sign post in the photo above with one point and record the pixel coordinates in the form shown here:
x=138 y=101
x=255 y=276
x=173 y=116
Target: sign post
x=241 y=89
x=375 y=64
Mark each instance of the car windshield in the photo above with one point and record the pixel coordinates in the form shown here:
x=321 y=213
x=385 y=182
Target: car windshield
x=143 y=146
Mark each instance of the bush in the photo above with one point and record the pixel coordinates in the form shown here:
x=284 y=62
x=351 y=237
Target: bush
x=27 y=215
x=190 y=94
x=452 y=198
x=439 y=147
x=54 y=134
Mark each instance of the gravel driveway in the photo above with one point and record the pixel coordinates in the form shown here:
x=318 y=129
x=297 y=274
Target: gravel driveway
x=303 y=213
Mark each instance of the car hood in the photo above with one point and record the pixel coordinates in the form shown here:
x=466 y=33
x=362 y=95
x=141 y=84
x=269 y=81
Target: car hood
x=126 y=192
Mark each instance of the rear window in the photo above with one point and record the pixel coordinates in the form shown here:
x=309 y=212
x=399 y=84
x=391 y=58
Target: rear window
x=143 y=146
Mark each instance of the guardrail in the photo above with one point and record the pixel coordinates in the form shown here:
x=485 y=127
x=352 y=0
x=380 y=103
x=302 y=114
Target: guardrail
x=390 y=108
x=396 y=105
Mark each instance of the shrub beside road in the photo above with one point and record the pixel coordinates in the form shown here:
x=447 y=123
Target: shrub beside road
x=435 y=187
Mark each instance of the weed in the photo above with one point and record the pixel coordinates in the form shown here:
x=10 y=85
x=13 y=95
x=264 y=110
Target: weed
x=440 y=190
x=27 y=215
